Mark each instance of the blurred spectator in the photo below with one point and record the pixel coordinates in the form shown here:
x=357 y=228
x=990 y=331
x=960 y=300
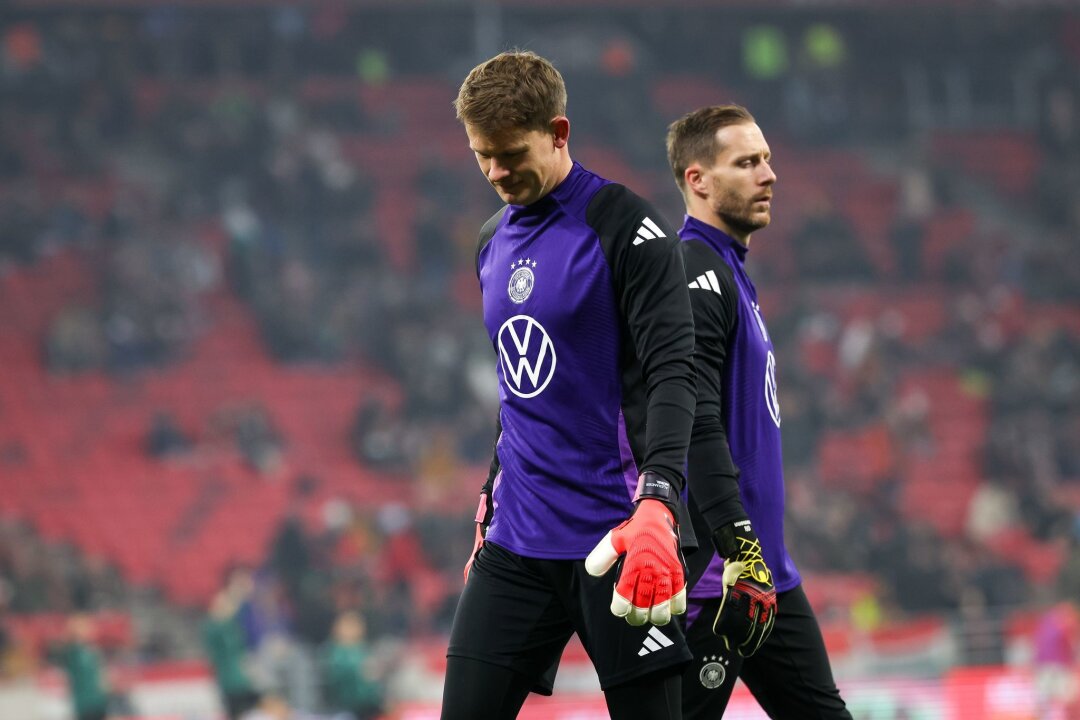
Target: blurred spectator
x=982 y=639
x=400 y=560
x=46 y=577
x=1057 y=650
x=282 y=662
x=258 y=439
x=164 y=438
x=223 y=637
x=908 y=418
x=75 y=342
x=992 y=511
x=802 y=419
x=7 y=642
x=269 y=707
x=826 y=245
x=298 y=560
x=84 y=667
x=908 y=230
x=921 y=565
x=378 y=436
x=347 y=674
x=1068 y=580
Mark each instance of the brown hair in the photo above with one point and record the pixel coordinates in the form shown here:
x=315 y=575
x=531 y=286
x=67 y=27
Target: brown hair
x=692 y=138
x=516 y=89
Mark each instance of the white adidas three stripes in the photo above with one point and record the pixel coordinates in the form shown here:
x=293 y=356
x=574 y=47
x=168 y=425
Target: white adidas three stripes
x=654 y=641
x=707 y=281
x=648 y=231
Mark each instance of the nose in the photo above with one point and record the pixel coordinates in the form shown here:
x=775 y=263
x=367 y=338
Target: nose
x=767 y=176
x=496 y=171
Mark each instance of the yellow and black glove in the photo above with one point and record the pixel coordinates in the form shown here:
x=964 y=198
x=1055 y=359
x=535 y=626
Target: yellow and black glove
x=748 y=608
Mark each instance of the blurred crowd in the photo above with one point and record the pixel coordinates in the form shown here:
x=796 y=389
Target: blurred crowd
x=262 y=667
x=173 y=151
x=36 y=578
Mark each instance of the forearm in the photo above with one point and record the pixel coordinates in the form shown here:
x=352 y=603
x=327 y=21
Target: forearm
x=669 y=419
x=495 y=466
x=712 y=476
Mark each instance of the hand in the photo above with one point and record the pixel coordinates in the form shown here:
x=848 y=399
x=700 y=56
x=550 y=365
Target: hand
x=475 y=550
x=484 y=511
x=748 y=608
x=650 y=586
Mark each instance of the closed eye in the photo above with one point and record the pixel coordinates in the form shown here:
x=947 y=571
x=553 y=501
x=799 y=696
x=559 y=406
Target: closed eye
x=751 y=161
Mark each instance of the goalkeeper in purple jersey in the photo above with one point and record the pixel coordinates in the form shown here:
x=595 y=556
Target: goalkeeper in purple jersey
x=748 y=614
x=586 y=305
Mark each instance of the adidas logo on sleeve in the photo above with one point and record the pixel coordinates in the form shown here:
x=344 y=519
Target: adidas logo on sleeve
x=707 y=281
x=648 y=231
x=654 y=641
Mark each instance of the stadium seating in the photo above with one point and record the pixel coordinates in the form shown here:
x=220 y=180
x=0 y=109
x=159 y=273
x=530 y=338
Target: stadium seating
x=86 y=477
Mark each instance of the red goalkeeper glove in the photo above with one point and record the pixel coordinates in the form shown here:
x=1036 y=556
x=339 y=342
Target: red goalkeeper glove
x=650 y=586
x=484 y=511
x=748 y=608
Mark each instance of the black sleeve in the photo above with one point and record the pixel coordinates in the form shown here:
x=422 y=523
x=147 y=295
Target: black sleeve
x=493 y=469
x=486 y=233
x=650 y=288
x=711 y=473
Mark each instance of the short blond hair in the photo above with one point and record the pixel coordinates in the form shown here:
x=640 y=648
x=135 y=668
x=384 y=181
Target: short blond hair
x=513 y=90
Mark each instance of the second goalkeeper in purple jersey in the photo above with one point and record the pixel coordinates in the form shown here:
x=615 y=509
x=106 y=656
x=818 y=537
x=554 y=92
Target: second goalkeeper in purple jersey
x=748 y=615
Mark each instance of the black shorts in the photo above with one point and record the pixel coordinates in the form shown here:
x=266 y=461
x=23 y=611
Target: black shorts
x=519 y=613
x=789 y=676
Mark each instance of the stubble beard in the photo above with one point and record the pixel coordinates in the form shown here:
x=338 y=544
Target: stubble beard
x=737 y=213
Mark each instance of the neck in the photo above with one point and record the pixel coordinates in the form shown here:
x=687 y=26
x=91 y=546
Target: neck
x=702 y=213
x=563 y=167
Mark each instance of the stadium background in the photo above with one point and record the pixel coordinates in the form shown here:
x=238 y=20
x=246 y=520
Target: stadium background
x=239 y=326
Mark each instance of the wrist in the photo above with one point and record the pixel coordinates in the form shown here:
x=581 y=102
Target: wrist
x=653 y=505
x=726 y=538
x=653 y=486
x=484 y=510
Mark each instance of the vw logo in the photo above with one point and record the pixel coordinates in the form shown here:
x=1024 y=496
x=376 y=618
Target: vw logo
x=771 y=398
x=527 y=356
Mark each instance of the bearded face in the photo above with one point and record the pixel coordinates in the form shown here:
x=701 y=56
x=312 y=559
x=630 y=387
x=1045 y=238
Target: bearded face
x=741 y=212
x=738 y=186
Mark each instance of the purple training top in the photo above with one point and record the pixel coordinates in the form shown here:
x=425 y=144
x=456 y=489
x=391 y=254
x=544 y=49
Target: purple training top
x=586 y=305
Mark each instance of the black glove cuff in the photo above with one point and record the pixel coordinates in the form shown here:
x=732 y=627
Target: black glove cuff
x=726 y=538
x=653 y=486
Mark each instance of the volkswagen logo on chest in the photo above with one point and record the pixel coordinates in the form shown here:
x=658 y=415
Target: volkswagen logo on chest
x=527 y=356
x=772 y=397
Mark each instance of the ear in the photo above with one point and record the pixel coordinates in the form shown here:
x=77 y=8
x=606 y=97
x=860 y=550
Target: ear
x=560 y=131
x=694 y=178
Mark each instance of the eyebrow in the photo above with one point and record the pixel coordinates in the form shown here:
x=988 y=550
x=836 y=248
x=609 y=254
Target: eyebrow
x=751 y=155
x=507 y=151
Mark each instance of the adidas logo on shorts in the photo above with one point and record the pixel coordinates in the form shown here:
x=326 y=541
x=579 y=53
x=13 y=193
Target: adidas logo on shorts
x=654 y=641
